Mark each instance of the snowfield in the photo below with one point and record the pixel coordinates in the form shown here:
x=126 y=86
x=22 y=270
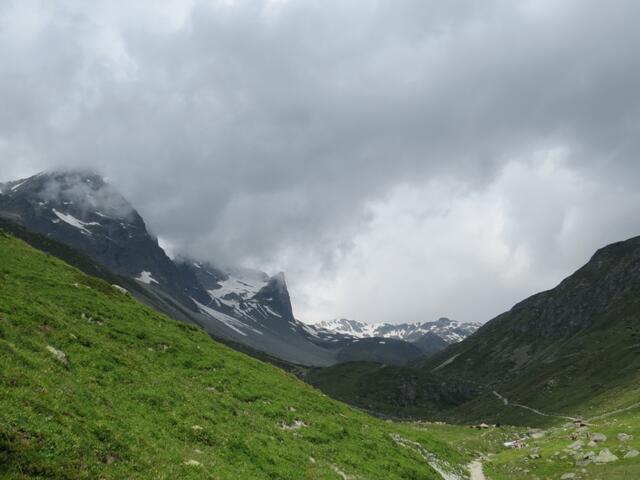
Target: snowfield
x=146 y=277
x=237 y=289
x=74 y=222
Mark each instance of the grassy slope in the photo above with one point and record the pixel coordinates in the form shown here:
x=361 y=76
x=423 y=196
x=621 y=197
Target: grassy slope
x=386 y=389
x=142 y=396
x=150 y=298
x=556 y=460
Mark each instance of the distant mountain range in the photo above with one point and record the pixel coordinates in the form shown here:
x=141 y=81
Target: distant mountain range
x=241 y=306
x=450 y=331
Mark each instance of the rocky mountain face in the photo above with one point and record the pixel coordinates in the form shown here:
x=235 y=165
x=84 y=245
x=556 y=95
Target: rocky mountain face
x=599 y=297
x=80 y=209
x=241 y=306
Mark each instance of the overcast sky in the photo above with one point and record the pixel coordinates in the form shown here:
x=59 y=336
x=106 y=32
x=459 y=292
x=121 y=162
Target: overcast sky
x=400 y=160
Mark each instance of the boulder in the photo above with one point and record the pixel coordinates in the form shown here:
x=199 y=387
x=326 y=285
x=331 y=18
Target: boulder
x=632 y=453
x=625 y=437
x=584 y=458
x=598 y=437
x=120 y=289
x=59 y=355
x=568 y=476
x=605 y=456
x=577 y=445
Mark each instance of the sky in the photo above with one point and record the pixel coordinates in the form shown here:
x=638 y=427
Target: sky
x=399 y=160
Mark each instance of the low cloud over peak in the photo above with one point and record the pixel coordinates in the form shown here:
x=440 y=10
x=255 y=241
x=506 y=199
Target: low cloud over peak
x=400 y=160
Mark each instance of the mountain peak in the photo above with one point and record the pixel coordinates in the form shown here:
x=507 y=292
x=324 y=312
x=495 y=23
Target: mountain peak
x=83 y=173
x=275 y=292
x=78 y=207
x=79 y=192
x=278 y=283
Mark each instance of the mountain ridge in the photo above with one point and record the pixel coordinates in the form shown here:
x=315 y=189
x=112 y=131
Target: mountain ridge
x=450 y=331
x=242 y=306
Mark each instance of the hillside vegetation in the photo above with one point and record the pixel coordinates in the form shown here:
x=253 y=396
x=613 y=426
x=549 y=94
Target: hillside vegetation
x=95 y=385
x=571 y=351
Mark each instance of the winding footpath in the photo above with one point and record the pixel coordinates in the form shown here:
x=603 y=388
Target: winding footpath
x=475 y=469
x=614 y=412
x=443 y=468
x=506 y=401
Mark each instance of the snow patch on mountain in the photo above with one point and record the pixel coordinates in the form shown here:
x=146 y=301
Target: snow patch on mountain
x=146 y=277
x=231 y=322
x=234 y=290
x=272 y=312
x=74 y=222
x=18 y=185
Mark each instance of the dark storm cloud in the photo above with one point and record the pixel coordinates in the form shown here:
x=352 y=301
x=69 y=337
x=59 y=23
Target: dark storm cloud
x=268 y=131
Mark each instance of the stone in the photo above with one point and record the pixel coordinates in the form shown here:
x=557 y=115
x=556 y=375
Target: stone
x=120 y=289
x=625 y=437
x=577 y=445
x=58 y=354
x=297 y=424
x=605 y=456
x=598 y=437
x=632 y=454
x=568 y=476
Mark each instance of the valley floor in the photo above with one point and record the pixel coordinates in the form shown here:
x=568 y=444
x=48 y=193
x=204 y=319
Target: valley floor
x=606 y=447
